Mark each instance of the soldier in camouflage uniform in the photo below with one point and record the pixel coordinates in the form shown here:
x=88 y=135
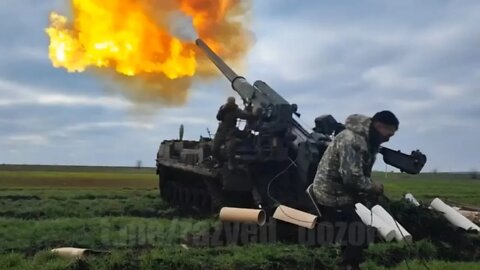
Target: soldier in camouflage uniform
x=227 y=129
x=343 y=175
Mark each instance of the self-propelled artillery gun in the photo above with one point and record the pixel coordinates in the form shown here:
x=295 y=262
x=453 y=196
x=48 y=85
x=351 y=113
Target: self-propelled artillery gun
x=275 y=158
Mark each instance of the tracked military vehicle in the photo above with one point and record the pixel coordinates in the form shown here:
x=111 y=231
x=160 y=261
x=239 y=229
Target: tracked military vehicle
x=275 y=158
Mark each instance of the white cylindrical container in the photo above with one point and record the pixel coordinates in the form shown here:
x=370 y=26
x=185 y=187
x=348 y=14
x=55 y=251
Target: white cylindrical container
x=400 y=232
x=69 y=252
x=371 y=219
x=453 y=216
x=410 y=198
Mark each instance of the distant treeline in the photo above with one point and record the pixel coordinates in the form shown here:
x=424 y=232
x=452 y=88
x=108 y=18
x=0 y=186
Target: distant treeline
x=66 y=168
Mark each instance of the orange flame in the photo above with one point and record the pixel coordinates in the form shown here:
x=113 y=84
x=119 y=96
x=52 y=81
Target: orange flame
x=135 y=39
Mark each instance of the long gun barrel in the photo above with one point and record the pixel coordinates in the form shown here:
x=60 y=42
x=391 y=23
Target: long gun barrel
x=239 y=83
x=259 y=94
x=224 y=68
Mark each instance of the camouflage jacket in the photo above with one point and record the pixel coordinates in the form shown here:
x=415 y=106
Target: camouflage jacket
x=345 y=168
x=228 y=115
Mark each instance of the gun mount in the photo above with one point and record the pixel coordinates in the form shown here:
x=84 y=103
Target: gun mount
x=274 y=147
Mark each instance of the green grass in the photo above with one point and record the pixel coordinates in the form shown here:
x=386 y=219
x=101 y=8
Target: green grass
x=75 y=193
x=247 y=257
x=118 y=209
x=15 y=176
x=433 y=265
x=76 y=179
x=425 y=187
x=45 y=204
x=250 y=257
x=29 y=236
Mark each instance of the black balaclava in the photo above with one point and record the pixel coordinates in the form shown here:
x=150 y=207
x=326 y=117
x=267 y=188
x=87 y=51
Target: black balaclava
x=384 y=117
x=374 y=136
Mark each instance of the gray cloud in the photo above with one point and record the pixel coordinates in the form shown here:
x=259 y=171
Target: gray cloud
x=14 y=93
x=418 y=59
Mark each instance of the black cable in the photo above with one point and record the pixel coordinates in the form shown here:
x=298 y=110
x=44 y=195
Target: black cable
x=401 y=233
x=275 y=177
x=292 y=162
x=412 y=246
x=403 y=237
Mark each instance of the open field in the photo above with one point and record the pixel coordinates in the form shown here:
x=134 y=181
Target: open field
x=17 y=176
x=427 y=186
x=118 y=209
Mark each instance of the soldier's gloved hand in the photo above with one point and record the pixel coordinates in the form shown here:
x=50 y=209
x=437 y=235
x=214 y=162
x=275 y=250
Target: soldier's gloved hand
x=377 y=188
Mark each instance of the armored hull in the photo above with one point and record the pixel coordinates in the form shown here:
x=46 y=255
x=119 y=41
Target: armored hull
x=189 y=179
x=184 y=173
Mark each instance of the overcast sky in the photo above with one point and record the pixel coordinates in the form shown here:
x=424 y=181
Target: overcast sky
x=419 y=59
